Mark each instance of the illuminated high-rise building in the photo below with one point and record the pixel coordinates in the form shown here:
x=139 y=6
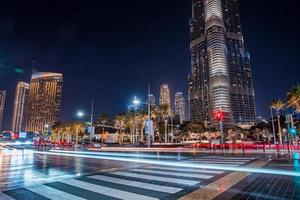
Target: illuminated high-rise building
x=221 y=76
x=20 y=107
x=164 y=98
x=180 y=106
x=2 y=105
x=45 y=91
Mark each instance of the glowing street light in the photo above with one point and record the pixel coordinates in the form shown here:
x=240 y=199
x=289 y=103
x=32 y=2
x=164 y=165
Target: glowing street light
x=136 y=101
x=80 y=114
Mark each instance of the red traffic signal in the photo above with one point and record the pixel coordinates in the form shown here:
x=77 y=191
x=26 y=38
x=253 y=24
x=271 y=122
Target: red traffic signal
x=219 y=115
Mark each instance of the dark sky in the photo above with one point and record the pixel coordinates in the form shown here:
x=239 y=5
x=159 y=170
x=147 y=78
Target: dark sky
x=110 y=50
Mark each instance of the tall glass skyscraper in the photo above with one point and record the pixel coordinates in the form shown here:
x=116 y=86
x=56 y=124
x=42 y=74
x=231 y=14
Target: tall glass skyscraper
x=180 y=106
x=45 y=90
x=221 y=76
x=2 y=106
x=20 y=107
x=164 y=98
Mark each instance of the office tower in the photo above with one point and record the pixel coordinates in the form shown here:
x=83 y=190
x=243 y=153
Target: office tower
x=20 y=107
x=164 y=98
x=2 y=105
x=221 y=76
x=45 y=91
x=180 y=106
x=151 y=99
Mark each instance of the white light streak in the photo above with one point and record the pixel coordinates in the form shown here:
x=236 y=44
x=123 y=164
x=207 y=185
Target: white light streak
x=180 y=164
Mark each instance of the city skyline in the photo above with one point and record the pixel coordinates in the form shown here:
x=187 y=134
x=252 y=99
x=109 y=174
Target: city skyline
x=94 y=59
x=149 y=100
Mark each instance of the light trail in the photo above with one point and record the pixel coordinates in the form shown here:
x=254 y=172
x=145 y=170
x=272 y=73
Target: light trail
x=180 y=164
x=139 y=155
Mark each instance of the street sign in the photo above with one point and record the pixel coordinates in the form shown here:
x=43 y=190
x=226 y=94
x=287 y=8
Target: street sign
x=22 y=135
x=149 y=127
x=91 y=133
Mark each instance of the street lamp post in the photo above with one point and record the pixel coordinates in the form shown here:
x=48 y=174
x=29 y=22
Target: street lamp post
x=91 y=126
x=81 y=114
x=273 y=127
x=148 y=103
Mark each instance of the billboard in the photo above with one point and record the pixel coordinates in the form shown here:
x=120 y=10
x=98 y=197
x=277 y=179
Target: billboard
x=22 y=135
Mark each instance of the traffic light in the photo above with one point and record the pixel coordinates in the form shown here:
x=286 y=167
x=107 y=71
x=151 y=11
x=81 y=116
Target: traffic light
x=219 y=115
x=293 y=131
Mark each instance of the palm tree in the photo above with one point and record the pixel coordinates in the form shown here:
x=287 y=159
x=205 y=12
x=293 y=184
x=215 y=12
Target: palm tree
x=130 y=124
x=142 y=118
x=293 y=98
x=101 y=121
x=77 y=128
x=120 y=126
x=278 y=105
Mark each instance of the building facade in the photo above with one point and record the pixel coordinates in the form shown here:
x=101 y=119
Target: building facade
x=44 y=100
x=164 y=98
x=20 y=107
x=221 y=76
x=180 y=106
x=2 y=106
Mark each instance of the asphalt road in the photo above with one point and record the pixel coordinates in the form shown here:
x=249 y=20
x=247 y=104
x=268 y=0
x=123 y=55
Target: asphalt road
x=28 y=174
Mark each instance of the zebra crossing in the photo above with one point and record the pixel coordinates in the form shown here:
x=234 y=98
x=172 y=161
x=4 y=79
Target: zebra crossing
x=147 y=182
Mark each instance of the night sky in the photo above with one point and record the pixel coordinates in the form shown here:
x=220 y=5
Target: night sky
x=110 y=50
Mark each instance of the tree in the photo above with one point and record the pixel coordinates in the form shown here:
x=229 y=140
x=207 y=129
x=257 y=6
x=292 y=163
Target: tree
x=192 y=127
x=102 y=120
x=119 y=124
x=293 y=98
x=278 y=105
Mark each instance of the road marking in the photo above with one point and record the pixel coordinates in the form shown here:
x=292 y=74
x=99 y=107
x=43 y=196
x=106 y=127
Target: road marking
x=106 y=190
x=218 y=162
x=5 y=197
x=157 y=178
x=52 y=193
x=228 y=158
x=214 y=164
x=187 y=170
x=149 y=186
x=202 y=176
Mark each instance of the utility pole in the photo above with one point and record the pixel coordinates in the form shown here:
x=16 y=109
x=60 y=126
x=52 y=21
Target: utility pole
x=273 y=126
x=149 y=118
x=91 y=126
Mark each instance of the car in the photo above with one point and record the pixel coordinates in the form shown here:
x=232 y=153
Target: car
x=88 y=144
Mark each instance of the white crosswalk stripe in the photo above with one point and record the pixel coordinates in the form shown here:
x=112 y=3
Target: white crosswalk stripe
x=226 y=158
x=186 y=170
x=106 y=190
x=223 y=161
x=220 y=161
x=217 y=162
x=157 y=178
x=5 y=196
x=52 y=193
x=201 y=176
x=149 y=186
